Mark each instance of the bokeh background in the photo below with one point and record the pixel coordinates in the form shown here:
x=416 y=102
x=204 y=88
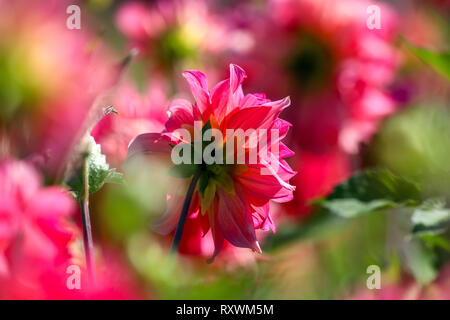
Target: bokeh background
x=361 y=98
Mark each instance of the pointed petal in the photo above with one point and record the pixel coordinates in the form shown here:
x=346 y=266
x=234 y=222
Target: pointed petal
x=237 y=76
x=235 y=220
x=199 y=88
x=217 y=234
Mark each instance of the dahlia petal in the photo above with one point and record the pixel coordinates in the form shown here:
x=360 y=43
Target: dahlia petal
x=278 y=105
x=262 y=218
x=249 y=118
x=217 y=234
x=268 y=224
x=252 y=100
x=199 y=88
x=284 y=151
x=181 y=112
x=227 y=94
x=235 y=221
x=282 y=126
x=149 y=143
x=263 y=187
x=237 y=76
x=220 y=99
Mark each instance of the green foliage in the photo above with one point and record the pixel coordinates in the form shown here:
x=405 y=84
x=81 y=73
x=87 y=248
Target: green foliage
x=431 y=217
x=415 y=144
x=369 y=191
x=98 y=170
x=440 y=62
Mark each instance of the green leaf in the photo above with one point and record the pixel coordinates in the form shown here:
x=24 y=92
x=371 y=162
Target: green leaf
x=421 y=260
x=99 y=171
x=114 y=177
x=440 y=62
x=431 y=217
x=370 y=191
x=435 y=241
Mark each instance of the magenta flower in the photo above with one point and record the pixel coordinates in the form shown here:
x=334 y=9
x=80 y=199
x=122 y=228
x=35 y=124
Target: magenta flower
x=231 y=200
x=34 y=232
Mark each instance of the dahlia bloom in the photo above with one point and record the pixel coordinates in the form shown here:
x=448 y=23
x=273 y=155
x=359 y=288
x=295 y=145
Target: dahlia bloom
x=235 y=198
x=171 y=31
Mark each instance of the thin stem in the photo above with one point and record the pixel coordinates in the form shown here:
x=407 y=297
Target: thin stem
x=86 y=220
x=184 y=212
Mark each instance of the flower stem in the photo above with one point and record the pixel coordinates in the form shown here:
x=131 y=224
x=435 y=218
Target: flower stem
x=184 y=213
x=86 y=221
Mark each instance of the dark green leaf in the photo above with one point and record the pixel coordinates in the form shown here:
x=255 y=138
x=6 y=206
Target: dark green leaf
x=369 y=191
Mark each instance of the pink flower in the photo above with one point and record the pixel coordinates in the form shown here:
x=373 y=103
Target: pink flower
x=137 y=113
x=333 y=52
x=37 y=243
x=172 y=31
x=236 y=197
x=34 y=228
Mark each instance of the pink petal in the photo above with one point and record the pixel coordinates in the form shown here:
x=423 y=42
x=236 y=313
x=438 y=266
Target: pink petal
x=235 y=221
x=181 y=112
x=264 y=187
x=237 y=76
x=199 y=88
x=149 y=143
x=227 y=94
x=217 y=234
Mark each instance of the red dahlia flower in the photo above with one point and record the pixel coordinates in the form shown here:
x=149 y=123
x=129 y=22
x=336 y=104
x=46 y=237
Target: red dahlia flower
x=231 y=199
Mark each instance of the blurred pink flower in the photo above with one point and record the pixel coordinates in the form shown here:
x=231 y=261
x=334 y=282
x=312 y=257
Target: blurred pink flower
x=34 y=228
x=237 y=200
x=37 y=243
x=351 y=60
x=172 y=31
x=137 y=113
